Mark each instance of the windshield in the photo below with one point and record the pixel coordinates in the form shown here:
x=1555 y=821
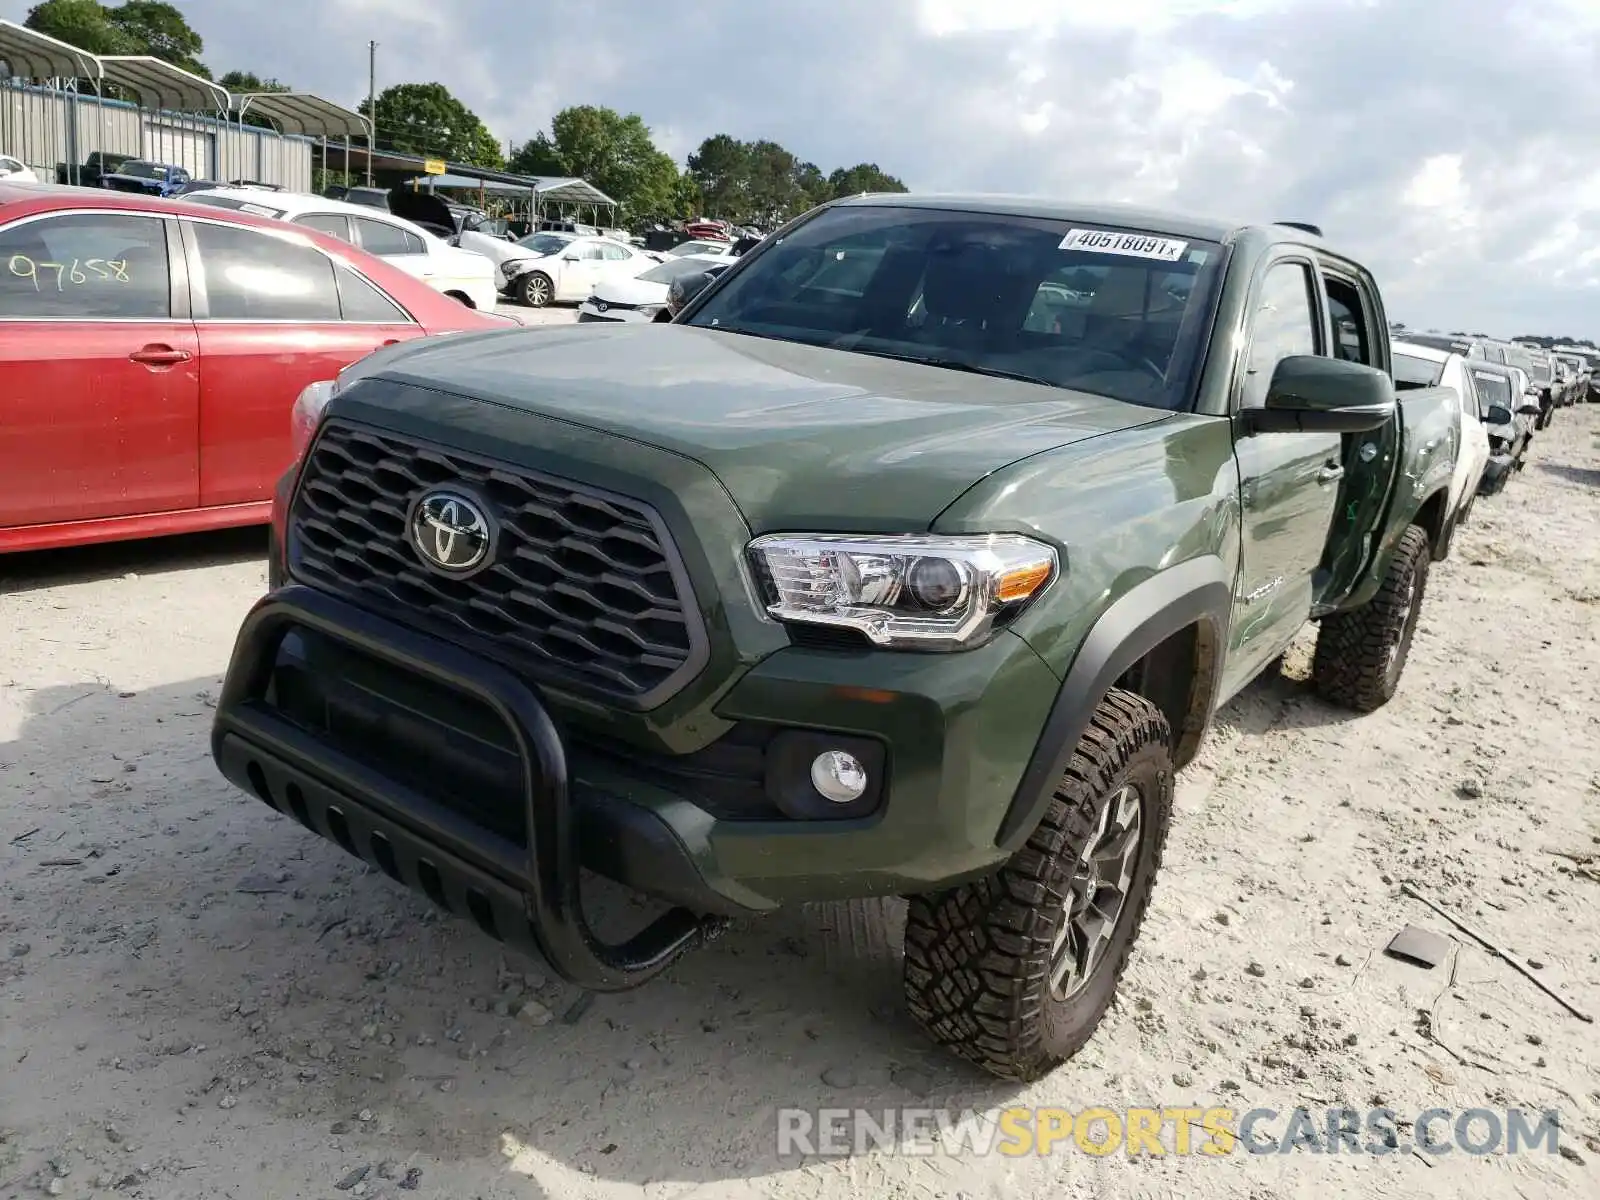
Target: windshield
x=142 y=170
x=545 y=243
x=1119 y=313
x=674 y=268
x=683 y=248
x=1413 y=372
x=211 y=199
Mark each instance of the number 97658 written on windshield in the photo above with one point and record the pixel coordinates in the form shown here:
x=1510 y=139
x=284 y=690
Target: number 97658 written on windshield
x=78 y=273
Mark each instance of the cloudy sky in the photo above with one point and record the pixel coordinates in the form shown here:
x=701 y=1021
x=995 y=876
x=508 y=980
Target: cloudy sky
x=1451 y=144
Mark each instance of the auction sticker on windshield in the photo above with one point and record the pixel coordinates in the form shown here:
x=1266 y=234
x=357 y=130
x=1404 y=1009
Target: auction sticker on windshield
x=1133 y=245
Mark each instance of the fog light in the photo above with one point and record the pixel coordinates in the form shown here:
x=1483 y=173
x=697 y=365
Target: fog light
x=838 y=776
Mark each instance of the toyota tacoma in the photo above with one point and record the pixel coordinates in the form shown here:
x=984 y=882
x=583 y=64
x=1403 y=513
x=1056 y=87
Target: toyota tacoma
x=913 y=557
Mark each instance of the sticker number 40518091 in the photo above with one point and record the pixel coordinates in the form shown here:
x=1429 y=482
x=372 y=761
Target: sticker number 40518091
x=1132 y=245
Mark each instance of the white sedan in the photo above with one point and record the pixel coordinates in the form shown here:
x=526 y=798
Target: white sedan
x=460 y=274
x=14 y=170
x=642 y=297
x=559 y=266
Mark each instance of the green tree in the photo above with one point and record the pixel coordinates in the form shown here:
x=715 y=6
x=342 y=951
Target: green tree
x=813 y=184
x=242 y=83
x=538 y=156
x=85 y=24
x=160 y=29
x=720 y=169
x=863 y=177
x=424 y=118
x=613 y=151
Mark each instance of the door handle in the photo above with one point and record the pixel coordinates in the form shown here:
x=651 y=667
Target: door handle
x=389 y=342
x=1330 y=474
x=157 y=355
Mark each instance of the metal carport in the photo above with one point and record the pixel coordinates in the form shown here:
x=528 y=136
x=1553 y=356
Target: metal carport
x=565 y=192
x=31 y=129
x=303 y=113
x=168 y=98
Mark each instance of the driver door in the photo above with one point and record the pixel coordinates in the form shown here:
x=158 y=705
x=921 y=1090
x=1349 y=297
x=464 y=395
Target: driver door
x=1288 y=482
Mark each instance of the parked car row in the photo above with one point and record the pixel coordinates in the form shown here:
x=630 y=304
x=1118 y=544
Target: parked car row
x=883 y=499
x=151 y=350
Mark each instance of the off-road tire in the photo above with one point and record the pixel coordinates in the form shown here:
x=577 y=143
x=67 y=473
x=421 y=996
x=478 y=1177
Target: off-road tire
x=1352 y=666
x=977 y=956
x=536 y=289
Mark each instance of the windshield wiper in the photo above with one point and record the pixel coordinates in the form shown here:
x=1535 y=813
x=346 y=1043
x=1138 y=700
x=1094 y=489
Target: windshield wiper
x=958 y=364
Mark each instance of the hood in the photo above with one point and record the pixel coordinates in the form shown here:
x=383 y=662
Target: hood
x=496 y=249
x=629 y=290
x=799 y=435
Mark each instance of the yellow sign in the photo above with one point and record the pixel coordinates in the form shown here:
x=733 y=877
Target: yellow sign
x=433 y=166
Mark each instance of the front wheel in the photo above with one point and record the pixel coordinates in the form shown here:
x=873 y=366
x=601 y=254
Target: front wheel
x=1361 y=653
x=535 y=289
x=1014 y=972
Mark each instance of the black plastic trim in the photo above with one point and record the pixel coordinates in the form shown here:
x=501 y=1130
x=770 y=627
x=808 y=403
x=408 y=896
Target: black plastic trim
x=1135 y=624
x=549 y=871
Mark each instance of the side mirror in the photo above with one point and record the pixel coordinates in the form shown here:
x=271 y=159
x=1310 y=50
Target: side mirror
x=1528 y=410
x=1313 y=394
x=1498 y=414
x=686 y=288
x=570 y=258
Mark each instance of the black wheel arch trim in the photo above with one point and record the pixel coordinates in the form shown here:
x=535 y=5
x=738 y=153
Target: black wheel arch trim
x=1198 y=590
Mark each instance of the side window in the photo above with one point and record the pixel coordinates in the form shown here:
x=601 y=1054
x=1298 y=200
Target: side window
x=384 y=239
x=362 y=302
x=86 y=267
x=336 y=224
x=615 y=254
x=1348 y=318
x=593 y=253
x=1284 y=324
x=253 y=276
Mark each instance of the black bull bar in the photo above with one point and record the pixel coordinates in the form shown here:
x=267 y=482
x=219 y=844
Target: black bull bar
x=371 y=816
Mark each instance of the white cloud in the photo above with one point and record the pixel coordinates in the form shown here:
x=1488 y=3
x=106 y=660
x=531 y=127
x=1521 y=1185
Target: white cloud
x=1447 y=143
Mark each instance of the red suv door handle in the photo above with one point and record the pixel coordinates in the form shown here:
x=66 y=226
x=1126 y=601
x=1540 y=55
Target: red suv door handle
x=157 y=355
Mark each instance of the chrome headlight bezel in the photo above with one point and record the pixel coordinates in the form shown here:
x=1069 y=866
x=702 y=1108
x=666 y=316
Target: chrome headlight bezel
x=920 y=591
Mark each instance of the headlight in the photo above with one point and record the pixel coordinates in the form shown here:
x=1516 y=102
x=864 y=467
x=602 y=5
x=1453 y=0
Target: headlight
x=911 y=591
x=514 y=267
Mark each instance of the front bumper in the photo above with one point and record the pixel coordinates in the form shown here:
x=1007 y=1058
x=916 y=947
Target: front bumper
x=340 y=754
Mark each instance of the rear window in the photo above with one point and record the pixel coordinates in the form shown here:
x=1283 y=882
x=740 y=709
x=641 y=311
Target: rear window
x=212 y=200
x=1413 y=372
x=1115 y=312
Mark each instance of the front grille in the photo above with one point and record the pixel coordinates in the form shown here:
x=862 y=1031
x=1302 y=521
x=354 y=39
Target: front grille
x=585 y=586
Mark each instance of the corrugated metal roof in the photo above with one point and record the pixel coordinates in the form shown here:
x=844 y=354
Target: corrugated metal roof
x=301 y=112
x=159 y=84
x=31 y=55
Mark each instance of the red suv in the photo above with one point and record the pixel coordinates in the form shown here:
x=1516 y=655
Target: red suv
x=150 y=352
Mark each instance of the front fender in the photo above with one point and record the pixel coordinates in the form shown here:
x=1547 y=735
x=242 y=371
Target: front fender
x=1199 y=591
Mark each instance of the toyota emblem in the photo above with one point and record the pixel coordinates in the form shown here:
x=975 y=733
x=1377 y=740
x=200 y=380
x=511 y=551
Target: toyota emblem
x=601 y=306
x=451 y=533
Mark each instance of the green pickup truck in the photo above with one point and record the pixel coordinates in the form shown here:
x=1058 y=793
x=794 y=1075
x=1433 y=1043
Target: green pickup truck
x=912 y=558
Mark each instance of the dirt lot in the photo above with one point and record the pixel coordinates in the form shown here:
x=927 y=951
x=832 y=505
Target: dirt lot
x=200 y=999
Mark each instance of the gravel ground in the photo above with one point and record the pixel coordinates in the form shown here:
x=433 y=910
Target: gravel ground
x=200 y=999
